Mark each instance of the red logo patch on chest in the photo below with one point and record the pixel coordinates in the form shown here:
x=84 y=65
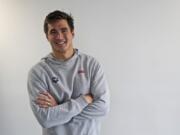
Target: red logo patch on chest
x=81 y=72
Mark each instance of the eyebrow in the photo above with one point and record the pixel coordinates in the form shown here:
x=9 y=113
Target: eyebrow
x=53 y=29
x=64 y=28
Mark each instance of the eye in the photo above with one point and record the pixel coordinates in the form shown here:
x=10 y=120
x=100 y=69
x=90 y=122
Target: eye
x=53 y=32
x=64 y=30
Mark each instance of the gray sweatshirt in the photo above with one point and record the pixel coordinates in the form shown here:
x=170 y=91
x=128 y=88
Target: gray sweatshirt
x=67 y=81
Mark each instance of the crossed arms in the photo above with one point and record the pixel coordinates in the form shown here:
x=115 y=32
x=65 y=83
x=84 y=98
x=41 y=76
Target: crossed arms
x=45 y=99
x=49 y=113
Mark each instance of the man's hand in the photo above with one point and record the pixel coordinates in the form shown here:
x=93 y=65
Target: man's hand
x=45 y=100
x=88 y=98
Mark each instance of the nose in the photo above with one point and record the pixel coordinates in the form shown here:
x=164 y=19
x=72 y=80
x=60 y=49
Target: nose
x=59 y=35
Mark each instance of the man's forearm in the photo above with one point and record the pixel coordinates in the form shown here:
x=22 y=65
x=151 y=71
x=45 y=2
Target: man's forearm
x=63 y=115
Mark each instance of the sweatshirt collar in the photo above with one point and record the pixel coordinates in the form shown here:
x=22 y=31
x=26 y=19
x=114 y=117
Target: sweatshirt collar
x=54 y=60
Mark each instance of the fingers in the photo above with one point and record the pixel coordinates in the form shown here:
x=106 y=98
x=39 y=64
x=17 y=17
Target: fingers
x=49 y=95
x=42 y=103
x=89 y=98
x=52 y=99
x=43 y=97
x=45 y=100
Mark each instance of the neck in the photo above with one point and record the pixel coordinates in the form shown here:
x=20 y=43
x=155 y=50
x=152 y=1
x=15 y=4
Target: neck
x=64 y=55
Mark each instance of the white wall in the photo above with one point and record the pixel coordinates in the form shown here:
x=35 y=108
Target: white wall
x=137 y=41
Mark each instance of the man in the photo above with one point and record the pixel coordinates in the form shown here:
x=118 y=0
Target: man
x=67 y=88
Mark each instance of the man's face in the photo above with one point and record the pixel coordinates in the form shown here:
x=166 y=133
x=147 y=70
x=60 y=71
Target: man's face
x=60 y=36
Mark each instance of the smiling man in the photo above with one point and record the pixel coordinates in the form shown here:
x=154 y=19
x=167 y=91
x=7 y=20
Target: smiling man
x=68 y=90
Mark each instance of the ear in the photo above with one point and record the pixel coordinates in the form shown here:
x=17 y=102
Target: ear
x=73 y=33
x=47 y=37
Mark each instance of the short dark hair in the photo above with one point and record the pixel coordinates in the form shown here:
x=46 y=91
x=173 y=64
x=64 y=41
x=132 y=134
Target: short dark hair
x=58 y=15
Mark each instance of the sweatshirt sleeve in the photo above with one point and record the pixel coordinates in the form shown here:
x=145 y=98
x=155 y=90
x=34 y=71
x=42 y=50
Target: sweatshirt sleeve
x=52 y=116
x=100 y=91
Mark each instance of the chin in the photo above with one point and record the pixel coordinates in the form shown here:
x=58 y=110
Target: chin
x=61 y=49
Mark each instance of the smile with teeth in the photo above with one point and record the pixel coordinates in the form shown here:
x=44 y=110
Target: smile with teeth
x=60 y=43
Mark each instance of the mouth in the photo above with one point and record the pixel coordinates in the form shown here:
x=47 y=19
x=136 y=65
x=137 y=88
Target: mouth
x=61 y=43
